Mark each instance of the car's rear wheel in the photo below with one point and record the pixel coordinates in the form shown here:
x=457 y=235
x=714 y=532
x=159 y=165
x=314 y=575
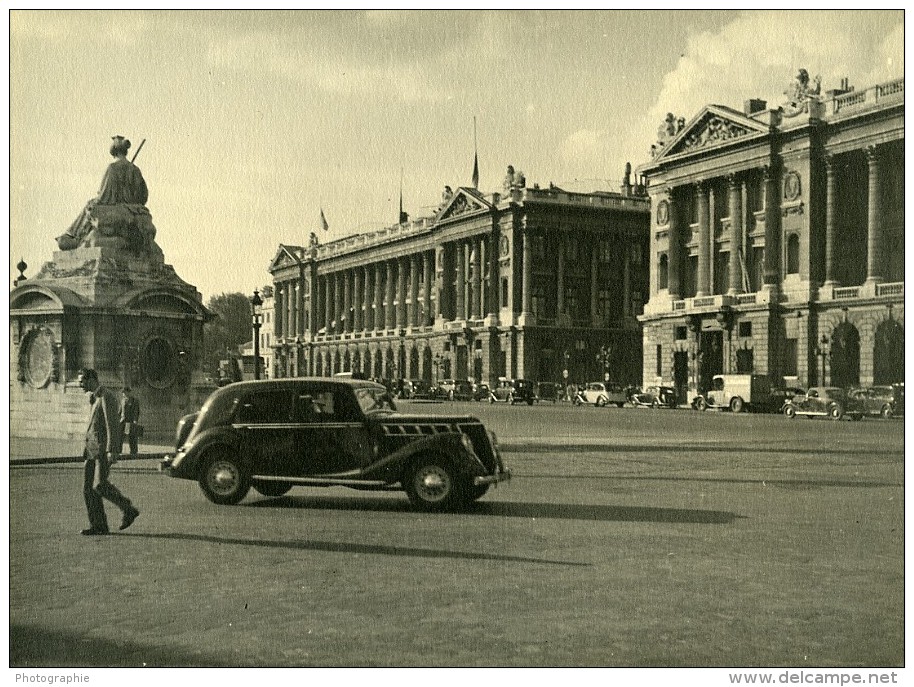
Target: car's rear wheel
x=655 y=403
x=224 y=479
x=701 y=404
x=790 y=411
x=270 y=488
x=887 y=411
x=600 y=402
x=835 y=412
x=432 y=484
x=736 y=404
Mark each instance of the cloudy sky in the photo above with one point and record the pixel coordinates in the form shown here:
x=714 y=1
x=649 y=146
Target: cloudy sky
x=254 y=121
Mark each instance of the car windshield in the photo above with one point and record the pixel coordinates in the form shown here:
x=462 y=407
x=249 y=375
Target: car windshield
x=372 y=399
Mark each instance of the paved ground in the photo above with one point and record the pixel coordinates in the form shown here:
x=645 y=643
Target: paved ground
x=627 y=538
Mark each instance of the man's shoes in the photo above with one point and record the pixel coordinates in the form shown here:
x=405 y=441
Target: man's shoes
x=129 y=517
x=91 y=532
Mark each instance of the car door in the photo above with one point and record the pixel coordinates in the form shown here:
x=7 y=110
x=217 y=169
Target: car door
x=263 y=421
x=332 y=435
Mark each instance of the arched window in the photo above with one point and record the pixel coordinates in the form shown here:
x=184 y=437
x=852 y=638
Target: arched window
x=663 y=271
x=793 y=254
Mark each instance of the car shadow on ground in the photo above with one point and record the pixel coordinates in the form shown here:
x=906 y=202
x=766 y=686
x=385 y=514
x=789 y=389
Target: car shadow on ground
x=349 y=547
x=560 y=511
x=35 y=647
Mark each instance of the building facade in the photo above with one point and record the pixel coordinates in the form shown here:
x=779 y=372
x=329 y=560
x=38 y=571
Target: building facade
x=530 y=283
x=777 y=241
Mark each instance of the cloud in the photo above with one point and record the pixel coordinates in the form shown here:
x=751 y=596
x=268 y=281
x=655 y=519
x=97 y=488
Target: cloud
x=758 y=54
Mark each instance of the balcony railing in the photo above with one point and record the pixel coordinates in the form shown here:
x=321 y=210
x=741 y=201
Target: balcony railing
x=890 y=289
x=889 y=91
x=845 y=292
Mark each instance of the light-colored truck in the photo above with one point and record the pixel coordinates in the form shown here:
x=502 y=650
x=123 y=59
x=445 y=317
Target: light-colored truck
x=737 y=393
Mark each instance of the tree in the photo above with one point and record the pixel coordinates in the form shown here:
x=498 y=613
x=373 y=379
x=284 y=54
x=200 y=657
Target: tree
x=230 y=329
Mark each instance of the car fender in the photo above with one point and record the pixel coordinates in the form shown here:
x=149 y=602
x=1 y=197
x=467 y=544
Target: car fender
x=449 y=445
x=186 y=464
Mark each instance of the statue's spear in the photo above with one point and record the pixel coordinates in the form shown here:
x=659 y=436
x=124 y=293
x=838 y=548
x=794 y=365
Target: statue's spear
x=138 y=150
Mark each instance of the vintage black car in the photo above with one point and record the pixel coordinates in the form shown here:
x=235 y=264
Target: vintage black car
x=824 y=401
x=884 y=401
x=276 y=434
x=655 y=397
x=513 y=391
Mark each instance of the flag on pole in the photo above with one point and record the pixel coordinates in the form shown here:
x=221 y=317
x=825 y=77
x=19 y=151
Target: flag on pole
x=324 y=224
x=475 y=158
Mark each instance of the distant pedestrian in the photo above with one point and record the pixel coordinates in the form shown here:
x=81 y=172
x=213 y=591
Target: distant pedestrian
x=103 y=444
x=130 y=417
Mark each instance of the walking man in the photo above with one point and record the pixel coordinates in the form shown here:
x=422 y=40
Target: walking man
x=103 y=443
x=130 y=416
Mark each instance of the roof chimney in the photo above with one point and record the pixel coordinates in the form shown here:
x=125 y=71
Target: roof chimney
x=750 y=107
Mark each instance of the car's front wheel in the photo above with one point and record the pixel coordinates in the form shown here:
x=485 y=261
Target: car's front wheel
x=736 y=404
x=790 y=412
x=271 y=488
x=224 y=479
x=835 y=412
x=886 y=411
x=601 y=401
x=431 y=484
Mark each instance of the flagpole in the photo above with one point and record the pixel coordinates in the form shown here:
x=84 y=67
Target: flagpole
x=475 y=158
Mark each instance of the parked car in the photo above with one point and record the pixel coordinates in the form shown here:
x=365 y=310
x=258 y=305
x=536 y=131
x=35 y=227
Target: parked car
x=737 y=392
x=655 y=397
x=603 y=393
x=463 y=391
x=276 y=434
x=880 y=400
x=419 y=390
x=824 y=401
x=548 y=391
x=513 y=391
x=780 y=395
x=481 y=392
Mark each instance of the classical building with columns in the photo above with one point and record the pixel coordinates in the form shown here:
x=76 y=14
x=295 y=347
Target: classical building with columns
x=527 y=283
x=777 y=241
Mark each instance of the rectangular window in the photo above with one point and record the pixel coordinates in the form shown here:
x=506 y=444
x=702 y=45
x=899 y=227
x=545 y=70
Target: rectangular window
x=266 y=407
x=745 y=330
x=790 y=358
x=682 y=333
x=744 y=361
x=504 y=292
x=659 y=360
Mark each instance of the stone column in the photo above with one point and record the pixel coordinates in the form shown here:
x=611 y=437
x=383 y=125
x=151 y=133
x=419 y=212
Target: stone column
x=313 y=305
x=389 y=310
x=338 y=302
x=428 y=274
x=401 y=292
x=736 y=234
x=674 y=251
x=358 y=300
x=704 y=241
x=414 y=290
x=831 y=207
x=346 y=276
x=527 y=275
x=594 y=286
x=293 y=309
x=328 y=302
x=461 y=313
x=277 y=312
x=772 y=229
x=560 y=277
x=378 y=317
x=476 y=300
x=626 y=280
x=874 y=218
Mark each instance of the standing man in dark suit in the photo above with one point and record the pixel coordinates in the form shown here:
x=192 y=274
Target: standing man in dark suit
x=130 y=416
x=103 y=444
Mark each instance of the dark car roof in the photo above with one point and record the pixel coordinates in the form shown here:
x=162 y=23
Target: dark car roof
x=292 y=382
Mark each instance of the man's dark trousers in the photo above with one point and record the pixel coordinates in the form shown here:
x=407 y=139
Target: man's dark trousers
x=96 y=487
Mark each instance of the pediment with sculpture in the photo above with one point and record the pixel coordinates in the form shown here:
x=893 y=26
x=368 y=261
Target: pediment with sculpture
x=462 y=202
x=714 y=126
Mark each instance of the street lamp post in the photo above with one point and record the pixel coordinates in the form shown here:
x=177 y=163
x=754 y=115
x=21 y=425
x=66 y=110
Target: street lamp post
x=605 y=357
x=256 y=312
x=822 y=351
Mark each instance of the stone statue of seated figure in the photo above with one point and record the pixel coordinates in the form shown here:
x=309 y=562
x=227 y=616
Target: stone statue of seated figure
x=117 y=216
